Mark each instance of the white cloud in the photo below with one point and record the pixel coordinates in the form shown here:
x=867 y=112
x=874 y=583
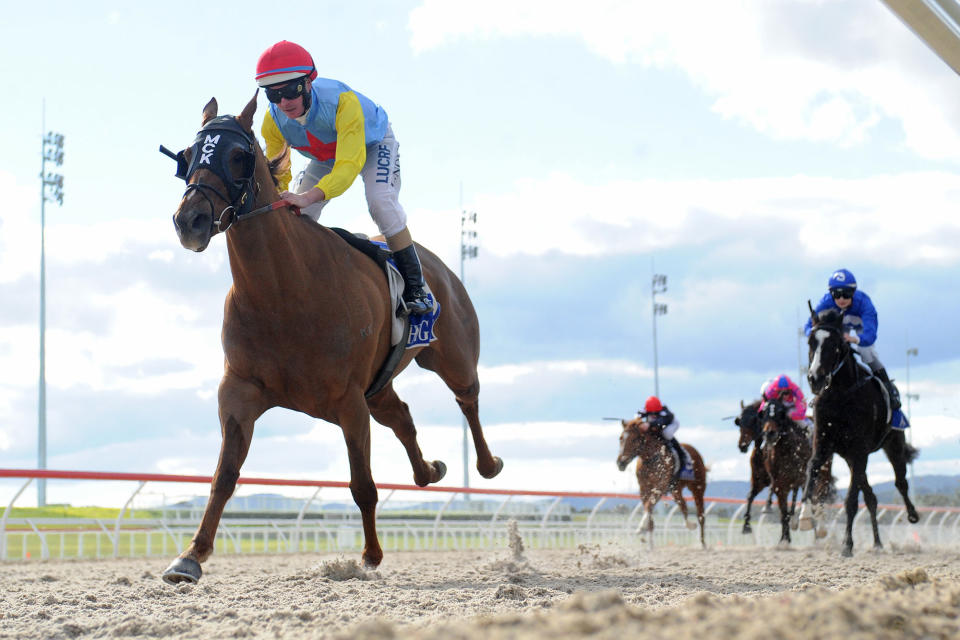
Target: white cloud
x=822 y=71
x=819 y=217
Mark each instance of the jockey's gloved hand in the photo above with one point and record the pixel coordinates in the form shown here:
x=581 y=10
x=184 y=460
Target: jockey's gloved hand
x=852 y=337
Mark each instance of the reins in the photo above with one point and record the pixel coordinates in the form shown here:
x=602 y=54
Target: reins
x=208 y=150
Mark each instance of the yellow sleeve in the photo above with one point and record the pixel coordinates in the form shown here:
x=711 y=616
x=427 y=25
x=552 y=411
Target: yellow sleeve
x=351 y=147
x=276 y=145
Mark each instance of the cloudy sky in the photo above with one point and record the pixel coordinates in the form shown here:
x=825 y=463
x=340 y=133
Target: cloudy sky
x=745 y=149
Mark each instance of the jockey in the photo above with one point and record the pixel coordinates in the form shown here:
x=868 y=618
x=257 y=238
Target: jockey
x=344 y=134
x=789 y=393
x=659 y=416
x=860 y=323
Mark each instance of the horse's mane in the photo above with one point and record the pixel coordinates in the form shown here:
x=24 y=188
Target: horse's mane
x=279 y=164
x=830 y=317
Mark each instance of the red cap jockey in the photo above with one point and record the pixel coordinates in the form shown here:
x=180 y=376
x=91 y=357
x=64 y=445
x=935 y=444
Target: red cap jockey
x=653 y=405
x=282 y=62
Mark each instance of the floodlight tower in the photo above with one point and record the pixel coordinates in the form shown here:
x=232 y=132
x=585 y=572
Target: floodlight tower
x=51 y=188
x=658 y=284
x=468 y=251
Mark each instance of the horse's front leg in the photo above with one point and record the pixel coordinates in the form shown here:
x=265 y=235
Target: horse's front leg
x=355 y=423
x=821 y=456
x=858 y=478
x=240 y=404
x=870 y=499
x=783 y=500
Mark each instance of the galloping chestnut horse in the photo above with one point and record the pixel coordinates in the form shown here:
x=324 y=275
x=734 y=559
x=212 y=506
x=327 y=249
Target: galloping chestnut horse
x=850 y=414
x=785 y=451
x=655 y=467
x=306 y=326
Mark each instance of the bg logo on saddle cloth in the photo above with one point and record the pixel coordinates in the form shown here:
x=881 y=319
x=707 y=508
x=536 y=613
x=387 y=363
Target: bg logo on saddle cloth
x=421 y=327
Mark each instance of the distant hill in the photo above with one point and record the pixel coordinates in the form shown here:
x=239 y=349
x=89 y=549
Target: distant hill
x=946 y=486
x=886 y=492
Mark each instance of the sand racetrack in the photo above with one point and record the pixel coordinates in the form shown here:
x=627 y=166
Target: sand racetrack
x=593 y=591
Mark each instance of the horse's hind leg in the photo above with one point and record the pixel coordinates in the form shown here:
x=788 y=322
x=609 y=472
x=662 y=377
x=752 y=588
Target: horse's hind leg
x=240 y=404
x=389 y=410
x=895 y=447
x=458 y=370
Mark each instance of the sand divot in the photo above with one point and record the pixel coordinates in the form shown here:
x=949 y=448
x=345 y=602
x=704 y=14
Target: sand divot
x=341 y=568
x=516 y=567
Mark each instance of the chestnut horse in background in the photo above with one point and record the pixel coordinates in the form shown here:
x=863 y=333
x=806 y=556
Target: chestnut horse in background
x=655 y=468
x=307 y=326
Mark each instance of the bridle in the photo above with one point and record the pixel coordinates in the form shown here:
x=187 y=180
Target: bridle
x=212 y=150
x=847 y=353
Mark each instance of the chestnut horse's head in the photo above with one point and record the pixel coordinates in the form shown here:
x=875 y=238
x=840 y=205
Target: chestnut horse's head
x=218 y=168
x=749 y=423
x=630 y=441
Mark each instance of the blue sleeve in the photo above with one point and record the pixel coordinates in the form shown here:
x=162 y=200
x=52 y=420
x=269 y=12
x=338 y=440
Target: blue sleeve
x=825 y=303
x=868 y=315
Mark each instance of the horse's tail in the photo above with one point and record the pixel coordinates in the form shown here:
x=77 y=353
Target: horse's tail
x=910 y=452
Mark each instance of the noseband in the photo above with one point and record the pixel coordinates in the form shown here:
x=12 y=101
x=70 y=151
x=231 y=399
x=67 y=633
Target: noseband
x=212 y=150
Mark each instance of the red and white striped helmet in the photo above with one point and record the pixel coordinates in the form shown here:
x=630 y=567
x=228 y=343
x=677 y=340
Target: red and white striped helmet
x=282 y=62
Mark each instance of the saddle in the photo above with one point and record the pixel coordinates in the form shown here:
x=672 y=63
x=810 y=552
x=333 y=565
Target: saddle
x=404 y=332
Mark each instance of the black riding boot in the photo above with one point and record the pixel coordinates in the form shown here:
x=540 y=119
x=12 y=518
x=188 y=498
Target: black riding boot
x=682 y=453
x=416 y=299
x=891 y=388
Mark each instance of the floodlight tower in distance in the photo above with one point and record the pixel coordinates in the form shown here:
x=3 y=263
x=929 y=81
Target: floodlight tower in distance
x=51 y=189
x=657 y=285
x=468 y=251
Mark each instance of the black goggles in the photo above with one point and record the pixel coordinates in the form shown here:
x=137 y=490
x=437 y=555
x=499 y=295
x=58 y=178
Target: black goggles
x=289 y=91
x=841 y=293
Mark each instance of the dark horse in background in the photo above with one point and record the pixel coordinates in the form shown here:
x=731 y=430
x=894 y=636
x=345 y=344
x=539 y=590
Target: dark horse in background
x=655 y=469
x=785 y=452
x=307 y=326
x=852 y=420
x=751 y=430
x=749 y=423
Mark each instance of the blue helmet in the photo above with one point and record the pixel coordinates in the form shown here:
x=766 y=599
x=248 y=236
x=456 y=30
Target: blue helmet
x=783 y=382
x=842 y=279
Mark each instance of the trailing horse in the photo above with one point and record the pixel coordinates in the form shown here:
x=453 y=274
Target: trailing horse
x=785 y=452
x=655 y=469
x=851 y=419
x=307 y=326
x=751 y=430
x=749 y=423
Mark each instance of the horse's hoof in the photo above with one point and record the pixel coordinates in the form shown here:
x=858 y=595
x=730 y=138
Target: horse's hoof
x=913 y=518
x=821 y=532
x=783 y=545
x=747 y=529
x=441 y=470
x=498 y=467
x=183 y=570
x=847 y=552
x=805 y=524
x=767 y=509
x=371 y=562
x=794 y=523
x=691 y=525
